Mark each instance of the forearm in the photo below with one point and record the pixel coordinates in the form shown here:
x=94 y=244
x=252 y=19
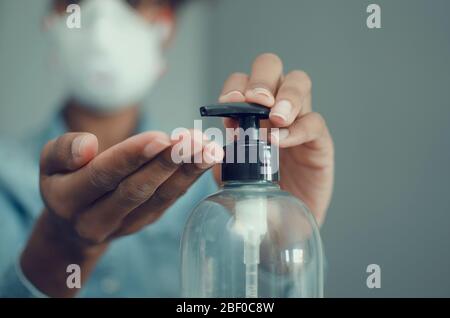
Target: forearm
x=49 y=252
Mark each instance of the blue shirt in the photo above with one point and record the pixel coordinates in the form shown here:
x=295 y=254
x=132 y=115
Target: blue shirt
x=145 y=264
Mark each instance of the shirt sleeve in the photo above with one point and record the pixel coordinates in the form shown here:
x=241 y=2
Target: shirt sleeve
x=14 y=230
x=14 y=284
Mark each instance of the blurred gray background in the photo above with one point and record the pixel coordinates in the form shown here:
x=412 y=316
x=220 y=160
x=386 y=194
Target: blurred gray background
x=385 y=94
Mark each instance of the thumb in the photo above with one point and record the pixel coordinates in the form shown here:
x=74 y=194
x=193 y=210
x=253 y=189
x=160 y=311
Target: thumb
x=68 y=152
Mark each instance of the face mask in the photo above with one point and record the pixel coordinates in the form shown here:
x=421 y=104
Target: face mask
x=113 y=60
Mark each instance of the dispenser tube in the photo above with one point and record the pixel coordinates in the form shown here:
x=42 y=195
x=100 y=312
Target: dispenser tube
x=251 y=223
x=251 y=260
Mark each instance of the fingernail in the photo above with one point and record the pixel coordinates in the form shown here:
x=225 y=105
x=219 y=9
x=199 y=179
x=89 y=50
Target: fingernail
x=232 y=96
x=261 y=95
x=78 y=144
x=282 y=110
x=278 y=134
x=213 y=153
x=283 y=134
x=206 y=137
x=154 y=147
x=180 y=136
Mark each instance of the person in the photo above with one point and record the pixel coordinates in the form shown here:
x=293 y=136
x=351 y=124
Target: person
x=105 y=194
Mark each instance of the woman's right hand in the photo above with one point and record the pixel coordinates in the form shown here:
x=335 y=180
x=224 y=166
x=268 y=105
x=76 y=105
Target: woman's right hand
x=93 y=198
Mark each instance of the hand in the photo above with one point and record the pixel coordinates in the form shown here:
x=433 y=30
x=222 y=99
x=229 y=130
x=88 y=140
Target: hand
x=306 y=146
x=93 y=198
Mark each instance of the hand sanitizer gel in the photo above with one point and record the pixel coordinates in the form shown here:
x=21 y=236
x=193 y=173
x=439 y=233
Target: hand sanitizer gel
x=250 y=239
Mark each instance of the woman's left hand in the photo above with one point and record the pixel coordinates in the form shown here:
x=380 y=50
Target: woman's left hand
x=306 y=146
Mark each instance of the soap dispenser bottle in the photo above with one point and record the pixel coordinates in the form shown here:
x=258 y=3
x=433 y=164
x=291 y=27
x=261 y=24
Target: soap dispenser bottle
x=250 y=239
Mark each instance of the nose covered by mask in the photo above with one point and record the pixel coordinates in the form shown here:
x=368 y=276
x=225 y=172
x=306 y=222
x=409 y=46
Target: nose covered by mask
x=113 y=60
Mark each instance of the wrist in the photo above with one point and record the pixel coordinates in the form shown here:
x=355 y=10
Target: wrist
x=60 y=233
x=50 y=249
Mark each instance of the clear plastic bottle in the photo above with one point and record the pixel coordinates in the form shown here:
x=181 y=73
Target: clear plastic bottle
x=251 y=239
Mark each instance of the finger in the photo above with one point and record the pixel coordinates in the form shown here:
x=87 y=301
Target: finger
x=107 y=214
x=171 y=190
x=68 y=153
x=234 y=88
x=233 y=92
x=105 y=172
x=293 y=97
x=308 y=129
x=230 y=123
x=266 y=73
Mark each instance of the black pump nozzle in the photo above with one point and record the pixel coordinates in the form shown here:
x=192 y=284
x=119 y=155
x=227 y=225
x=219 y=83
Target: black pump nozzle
x=266 y=159
x=247 y=114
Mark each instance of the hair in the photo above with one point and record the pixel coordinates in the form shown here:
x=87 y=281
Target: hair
x=174 y=4
x=177 y=3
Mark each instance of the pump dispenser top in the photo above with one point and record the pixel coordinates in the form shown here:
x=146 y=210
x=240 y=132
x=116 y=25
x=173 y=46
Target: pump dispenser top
x=251 y=157
x=250 y=239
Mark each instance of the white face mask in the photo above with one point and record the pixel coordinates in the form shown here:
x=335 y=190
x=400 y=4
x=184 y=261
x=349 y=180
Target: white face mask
x=113 y=60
